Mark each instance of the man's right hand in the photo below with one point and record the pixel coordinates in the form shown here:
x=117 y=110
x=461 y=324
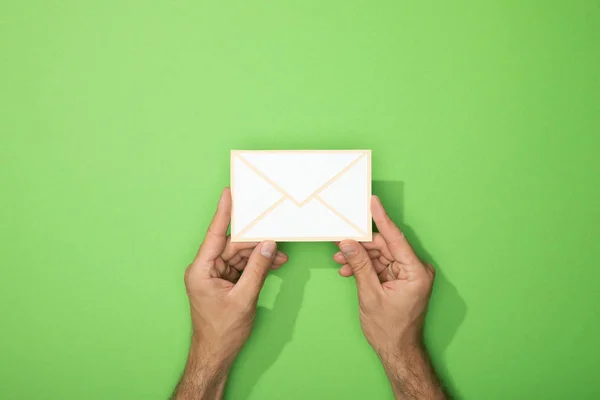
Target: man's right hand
x=394 y=287
x=223 y=283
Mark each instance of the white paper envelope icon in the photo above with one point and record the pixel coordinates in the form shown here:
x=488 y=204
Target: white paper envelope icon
x=301 y=195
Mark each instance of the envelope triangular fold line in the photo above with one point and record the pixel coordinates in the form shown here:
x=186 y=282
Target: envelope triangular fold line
x=314 y=221
x=347 y=194
x=252 y=195
x=299 y=174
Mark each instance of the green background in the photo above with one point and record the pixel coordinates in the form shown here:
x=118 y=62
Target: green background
x=116 y=121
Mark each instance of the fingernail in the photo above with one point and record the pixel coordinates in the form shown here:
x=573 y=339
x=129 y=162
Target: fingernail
x=268 y=249
x=348 y=249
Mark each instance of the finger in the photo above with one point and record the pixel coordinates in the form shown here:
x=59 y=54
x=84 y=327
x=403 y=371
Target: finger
x=374 y=253
x=246 y=252
x=280 y=258
x=234 y=248
x=256 y=270
x=236 y=259
x=378 y=243
x=362 y=267
x=384 y=261
x=340 y=259
x=389 y=272
x=240 y=265
x=378 y=265
x=275 y=267
x=225 y=271
x=216 y=235
x=396 y=241
x=345 y=271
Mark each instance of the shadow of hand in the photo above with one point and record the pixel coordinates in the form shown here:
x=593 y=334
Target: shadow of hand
x=274 y=326
x=447 y=310
x=273 y=330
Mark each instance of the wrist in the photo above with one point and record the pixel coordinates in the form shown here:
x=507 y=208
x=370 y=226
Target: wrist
x=410 y=372
x=205 y=373
x=401 y=355
x=209 y=356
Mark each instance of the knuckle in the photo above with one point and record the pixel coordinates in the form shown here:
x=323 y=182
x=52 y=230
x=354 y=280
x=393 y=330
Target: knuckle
x=361 y=264
x=187 y=272
x=425 y=284
x=429 y=270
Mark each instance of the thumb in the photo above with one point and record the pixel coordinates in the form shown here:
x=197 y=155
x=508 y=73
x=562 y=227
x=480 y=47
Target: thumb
x=256 y=270
x=360 y=262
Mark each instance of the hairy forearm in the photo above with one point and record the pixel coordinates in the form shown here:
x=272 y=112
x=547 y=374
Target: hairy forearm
x=411 y=374
x=204 y=376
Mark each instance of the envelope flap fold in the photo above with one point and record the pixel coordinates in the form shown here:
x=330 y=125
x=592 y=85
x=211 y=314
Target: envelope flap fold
x=299 y=174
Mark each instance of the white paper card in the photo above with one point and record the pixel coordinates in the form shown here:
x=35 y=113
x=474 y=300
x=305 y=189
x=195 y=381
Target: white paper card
x=301 y=195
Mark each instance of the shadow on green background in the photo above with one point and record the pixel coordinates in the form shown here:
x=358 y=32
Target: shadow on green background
x=447 y=309
x=275 y=325
x=116 y=121
x=274 y=329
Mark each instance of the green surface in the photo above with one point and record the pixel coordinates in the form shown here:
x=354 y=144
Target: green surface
x=116 y=121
